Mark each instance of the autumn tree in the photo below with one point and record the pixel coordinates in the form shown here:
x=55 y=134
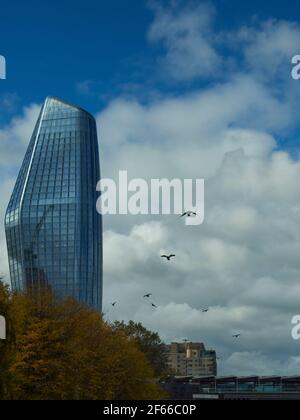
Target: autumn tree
x=6 y=347
x=149 y=343
x=62 y=350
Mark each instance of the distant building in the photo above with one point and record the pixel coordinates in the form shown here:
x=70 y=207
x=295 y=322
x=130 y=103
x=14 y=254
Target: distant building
x=191 y=359
x=233 y=388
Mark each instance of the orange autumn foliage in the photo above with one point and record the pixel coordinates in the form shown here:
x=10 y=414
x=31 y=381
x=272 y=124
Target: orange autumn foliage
x=61 y=350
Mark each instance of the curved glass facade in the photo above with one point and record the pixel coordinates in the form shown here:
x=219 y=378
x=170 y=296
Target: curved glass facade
x=53 y=231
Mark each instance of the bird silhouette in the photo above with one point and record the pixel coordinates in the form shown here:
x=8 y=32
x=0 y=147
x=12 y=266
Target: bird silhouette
x=154 y=306
x=236 y=336
x=114 y=304
x=204 y=311
x=149 y=295
x=168 y=257
x=189 y=214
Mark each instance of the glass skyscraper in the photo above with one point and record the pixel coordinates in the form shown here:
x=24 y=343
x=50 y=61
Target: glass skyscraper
x=53 y=231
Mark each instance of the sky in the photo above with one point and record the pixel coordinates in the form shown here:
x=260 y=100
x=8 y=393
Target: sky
x=179 y=89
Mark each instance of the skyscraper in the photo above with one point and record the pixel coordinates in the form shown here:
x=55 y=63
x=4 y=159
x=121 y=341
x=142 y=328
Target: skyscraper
x=53 y=231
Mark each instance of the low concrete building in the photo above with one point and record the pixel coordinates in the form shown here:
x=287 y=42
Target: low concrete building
x=191 y=359
x=233 y=388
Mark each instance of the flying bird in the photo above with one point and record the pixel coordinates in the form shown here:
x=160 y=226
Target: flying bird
x=149 y=295
x=189 y=214
x=236 y=336
x=114 y=304
x=168 y=257
x=205 y=311
x=154 y=306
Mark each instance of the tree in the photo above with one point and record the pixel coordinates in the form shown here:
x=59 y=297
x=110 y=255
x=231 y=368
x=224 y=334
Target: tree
x=149 y=342
x=5 y=346
x=62 y=350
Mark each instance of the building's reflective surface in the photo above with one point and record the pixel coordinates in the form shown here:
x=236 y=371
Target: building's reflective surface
x=54 y=234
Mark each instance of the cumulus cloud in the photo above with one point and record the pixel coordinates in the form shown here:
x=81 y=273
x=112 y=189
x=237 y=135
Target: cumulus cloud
x=188 y=38
x=268 y=48
x=247 y=363
x=124 y=253
x=6 y=187
x=15 y=136
x=243 y=262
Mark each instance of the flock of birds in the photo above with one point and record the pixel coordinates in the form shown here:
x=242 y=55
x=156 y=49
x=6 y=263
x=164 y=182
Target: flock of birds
x=169 y=258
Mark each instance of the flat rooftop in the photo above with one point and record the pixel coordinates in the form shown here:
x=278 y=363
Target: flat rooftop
x=238 y=379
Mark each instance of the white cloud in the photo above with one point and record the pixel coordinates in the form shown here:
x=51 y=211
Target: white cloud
x=269 y=48
x=6 y=187
x=124 y=253
x=243 y=262
x=253 y=363
x=188 y=38
x=15 y=137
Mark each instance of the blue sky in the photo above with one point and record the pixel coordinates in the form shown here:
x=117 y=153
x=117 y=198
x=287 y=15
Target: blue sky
x=179 y=89
x=52 y=46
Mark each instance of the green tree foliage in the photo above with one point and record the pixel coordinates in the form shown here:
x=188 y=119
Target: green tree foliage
x=61 y=350
x=149 y=342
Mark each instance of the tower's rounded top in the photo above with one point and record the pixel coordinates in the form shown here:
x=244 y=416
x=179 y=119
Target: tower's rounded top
x=67 y=104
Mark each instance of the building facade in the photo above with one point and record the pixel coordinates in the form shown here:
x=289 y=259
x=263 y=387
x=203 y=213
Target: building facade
x=233 y=388
x=53 y=231
x=191 y=359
